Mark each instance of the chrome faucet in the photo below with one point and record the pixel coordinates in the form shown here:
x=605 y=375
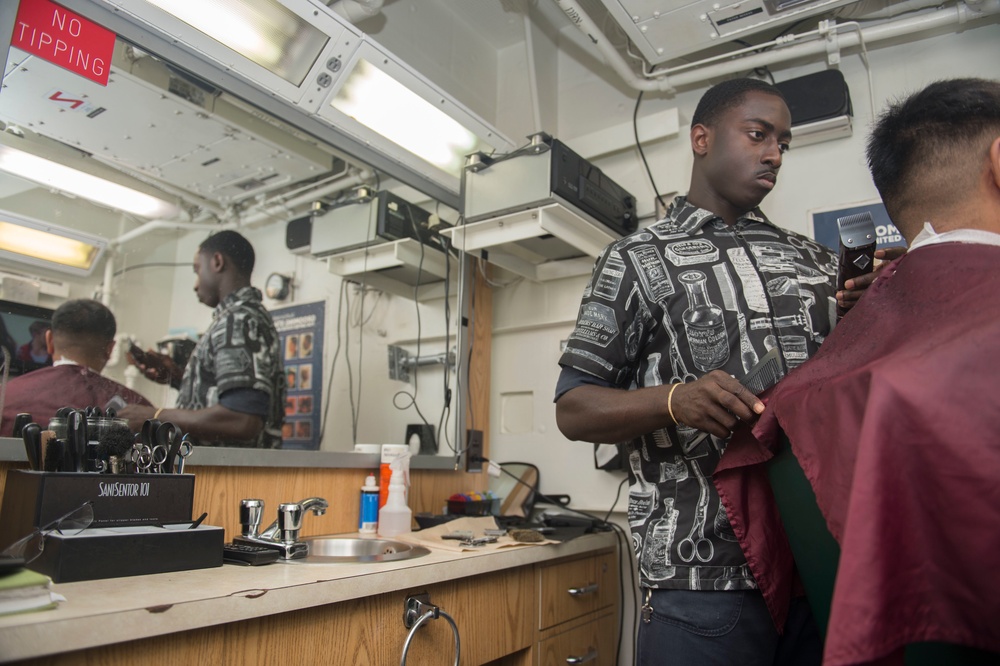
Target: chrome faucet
x=283 y=533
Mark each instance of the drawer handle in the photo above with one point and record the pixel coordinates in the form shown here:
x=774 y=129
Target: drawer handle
x=590 y=656
x=580 y=591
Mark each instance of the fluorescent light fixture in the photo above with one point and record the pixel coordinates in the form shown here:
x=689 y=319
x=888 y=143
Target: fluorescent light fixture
x=382 y=101
x=827 y=129
x=22 y=158
x=384 y=105
x=48 y=245
x=263 y=31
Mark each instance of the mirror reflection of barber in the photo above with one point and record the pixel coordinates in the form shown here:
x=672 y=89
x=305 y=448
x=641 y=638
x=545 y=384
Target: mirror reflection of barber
x=232 y=391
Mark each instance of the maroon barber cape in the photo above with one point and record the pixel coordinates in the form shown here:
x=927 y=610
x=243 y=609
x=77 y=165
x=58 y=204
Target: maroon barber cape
x=896 y=423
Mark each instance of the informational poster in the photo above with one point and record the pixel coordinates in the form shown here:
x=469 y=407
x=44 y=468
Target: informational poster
x=826 y=232
x=301 y=330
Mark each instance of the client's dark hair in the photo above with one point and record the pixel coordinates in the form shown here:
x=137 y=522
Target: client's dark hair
x=929 y=145
x=234 y=247
x=84 y=318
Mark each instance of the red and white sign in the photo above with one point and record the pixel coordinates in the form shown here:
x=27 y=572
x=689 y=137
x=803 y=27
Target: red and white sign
x=53 y=33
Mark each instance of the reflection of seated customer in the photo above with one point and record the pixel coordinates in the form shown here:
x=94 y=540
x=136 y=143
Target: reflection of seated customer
x=80 y=341
x=35 y=351
x=896 y=421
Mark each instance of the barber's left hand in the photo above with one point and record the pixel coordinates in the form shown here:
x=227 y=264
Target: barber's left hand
x=136 y=415
x=855 y=287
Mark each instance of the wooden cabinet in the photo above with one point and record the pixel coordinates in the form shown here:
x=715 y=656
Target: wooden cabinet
x=492 y=612
x=578 y=611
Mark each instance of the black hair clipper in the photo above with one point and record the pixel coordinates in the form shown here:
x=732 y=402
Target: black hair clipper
x=857 y=249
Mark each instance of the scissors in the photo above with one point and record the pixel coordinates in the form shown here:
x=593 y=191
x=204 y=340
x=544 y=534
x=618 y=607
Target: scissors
x=701 y=549
x=167 y=445
x=141 y=455
x=184 y=450
x=142 y=450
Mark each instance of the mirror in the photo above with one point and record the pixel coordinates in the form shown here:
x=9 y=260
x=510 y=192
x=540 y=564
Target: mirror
x=517 y=485
x=219 y=161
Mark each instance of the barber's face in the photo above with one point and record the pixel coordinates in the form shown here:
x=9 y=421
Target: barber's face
x=745 y=149
x=206 y=280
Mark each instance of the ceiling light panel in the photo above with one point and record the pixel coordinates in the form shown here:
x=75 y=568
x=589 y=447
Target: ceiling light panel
x=188 y=136
x=282 y=46
x=37 y=243
x=380 y=100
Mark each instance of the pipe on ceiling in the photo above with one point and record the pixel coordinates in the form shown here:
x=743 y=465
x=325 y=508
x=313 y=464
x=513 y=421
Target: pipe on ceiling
x=356 y=10
x=785 y=49
x=265 y=214
x=285 y=208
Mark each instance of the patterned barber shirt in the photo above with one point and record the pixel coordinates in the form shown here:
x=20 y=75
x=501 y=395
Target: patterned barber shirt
x=240 y=350
x=668 y=304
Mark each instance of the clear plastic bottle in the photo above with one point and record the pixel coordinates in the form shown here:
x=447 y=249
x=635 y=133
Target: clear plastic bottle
x=395 y=517
x=368 y=517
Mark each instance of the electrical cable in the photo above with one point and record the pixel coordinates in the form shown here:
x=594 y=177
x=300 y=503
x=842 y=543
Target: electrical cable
x=333 y=363
x=460 y=449
x=446 y=402
x=642 y=154
x=350 y=374
x=152 y=264
x=617 y=495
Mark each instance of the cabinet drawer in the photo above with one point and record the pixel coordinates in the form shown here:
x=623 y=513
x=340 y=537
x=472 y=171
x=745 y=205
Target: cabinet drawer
x=571 y=589
x=592 y=644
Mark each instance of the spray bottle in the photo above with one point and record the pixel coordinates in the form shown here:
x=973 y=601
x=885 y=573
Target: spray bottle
x=395 y=517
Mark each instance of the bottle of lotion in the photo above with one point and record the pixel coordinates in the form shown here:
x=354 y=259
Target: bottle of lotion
x=368 y=517
x=395 y=517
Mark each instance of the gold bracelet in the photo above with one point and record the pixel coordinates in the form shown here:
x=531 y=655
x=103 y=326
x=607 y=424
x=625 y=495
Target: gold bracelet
x=156 y=414
x=670 y=406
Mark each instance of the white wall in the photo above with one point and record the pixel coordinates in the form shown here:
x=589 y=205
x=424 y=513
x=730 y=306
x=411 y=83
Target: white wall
x=530 y=320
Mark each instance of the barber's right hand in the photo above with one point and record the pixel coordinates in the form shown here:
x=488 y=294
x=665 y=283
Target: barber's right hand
x=715 y=403
x=155 y=366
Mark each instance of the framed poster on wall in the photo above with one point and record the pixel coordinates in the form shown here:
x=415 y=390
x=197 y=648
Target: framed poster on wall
x=300 y=328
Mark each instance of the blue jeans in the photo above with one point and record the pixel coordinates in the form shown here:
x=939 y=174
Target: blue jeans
x=725 y=628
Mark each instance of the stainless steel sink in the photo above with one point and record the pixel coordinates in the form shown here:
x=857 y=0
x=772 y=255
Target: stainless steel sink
x=352 y=549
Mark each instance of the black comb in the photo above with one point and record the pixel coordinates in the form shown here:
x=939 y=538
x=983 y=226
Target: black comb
x=761 y=377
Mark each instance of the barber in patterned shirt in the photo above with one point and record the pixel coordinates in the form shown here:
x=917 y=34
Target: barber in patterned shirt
x=674 y=316
x=232 y=392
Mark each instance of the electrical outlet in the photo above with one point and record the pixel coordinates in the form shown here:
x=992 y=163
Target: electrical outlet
x=474 y=451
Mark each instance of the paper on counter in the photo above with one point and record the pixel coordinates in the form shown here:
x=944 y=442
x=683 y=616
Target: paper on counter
x=431 y=537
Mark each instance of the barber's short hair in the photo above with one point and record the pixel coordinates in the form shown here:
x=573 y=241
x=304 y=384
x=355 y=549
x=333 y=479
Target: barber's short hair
x=914 y=134
x=233 y=246
x=727 y=95
x=84 y=318
x=38 y=326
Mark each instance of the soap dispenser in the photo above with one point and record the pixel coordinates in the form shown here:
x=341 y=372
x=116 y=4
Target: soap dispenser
x=395 y=517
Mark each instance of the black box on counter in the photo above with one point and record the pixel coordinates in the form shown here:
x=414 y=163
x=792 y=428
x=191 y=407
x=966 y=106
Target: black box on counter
x=35 y=499
x=113 y=552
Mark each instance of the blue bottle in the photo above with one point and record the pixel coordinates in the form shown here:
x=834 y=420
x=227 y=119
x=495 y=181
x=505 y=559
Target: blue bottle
x=368 y=517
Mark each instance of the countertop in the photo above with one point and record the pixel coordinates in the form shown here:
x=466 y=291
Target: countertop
x=101 y=612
